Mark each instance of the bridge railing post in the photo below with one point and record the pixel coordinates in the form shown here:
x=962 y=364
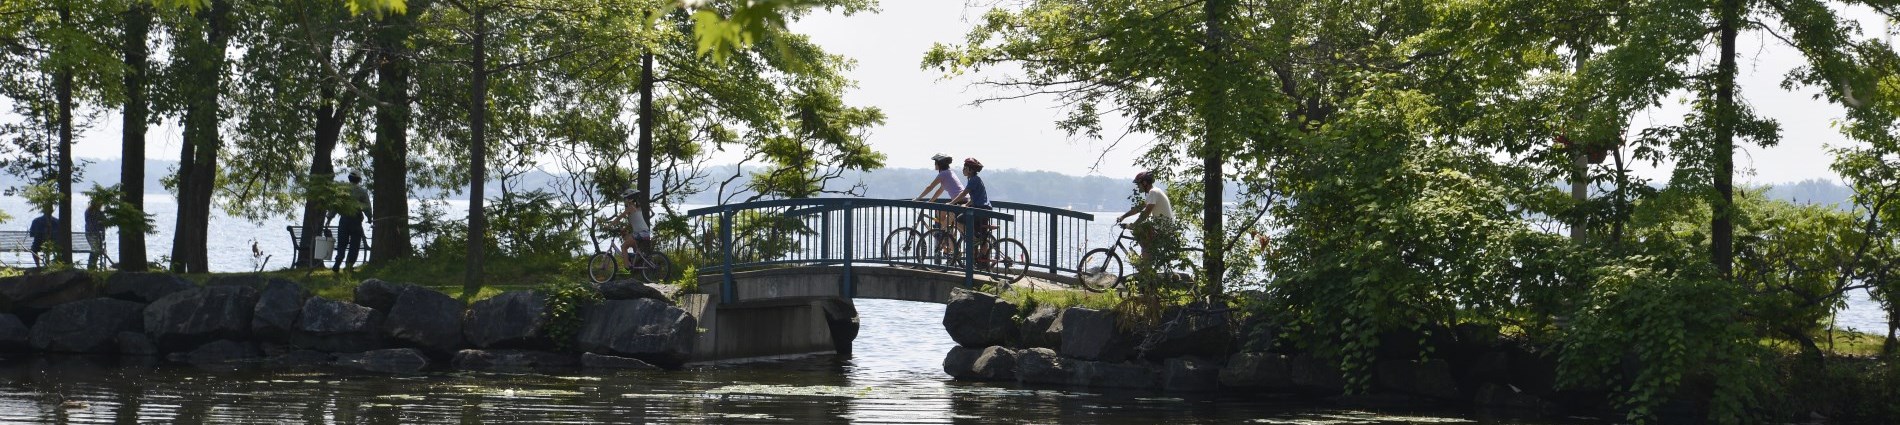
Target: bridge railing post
x=969 y=248
x=850 y=236
x=1055 y=230
x=726 y=290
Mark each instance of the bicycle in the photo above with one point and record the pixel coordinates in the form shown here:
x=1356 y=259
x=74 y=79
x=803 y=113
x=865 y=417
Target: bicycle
x=908 y=241
x=1103 y=269
x=604 y=266
x=1008 y=258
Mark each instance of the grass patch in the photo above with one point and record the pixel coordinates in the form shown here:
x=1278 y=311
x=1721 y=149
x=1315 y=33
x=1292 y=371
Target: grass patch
x=1029 y=301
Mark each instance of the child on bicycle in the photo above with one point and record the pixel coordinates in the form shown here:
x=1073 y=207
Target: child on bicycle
x=944 y=184
x=638 y=235
x=976 y=196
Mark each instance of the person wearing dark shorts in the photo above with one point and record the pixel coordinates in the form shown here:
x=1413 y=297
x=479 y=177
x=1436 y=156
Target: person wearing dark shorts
x=350 y=228
x=976 y=195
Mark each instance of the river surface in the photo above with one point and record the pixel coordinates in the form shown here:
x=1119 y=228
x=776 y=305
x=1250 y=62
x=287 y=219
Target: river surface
x=894 y=376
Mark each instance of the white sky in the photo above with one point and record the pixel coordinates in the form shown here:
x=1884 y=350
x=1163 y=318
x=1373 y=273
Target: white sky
x=927 y=114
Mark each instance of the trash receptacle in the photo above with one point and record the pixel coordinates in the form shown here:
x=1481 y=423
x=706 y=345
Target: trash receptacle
x=324 y=248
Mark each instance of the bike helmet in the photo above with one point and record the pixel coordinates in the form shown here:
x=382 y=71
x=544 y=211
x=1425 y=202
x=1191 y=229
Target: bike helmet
x=972 y=163
x=633 y=194
x=1144 y=177
x=943 y=161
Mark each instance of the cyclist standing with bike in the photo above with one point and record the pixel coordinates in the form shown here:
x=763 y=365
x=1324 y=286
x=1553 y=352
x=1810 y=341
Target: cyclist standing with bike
x=638 y=234
x=1152 y=214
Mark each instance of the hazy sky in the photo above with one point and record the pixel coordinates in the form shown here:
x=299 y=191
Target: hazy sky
x=928 y=114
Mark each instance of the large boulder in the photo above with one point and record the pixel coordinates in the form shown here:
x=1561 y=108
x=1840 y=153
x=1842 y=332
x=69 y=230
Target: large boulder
x=643 y=329
x=512 y=360
x=988 y=364
x=1115 y=375
x=252 y=281
x=602 y=361
x=380 y=295
x=1430 y=378
x=1041 y=329
x=144 y=287
x=220 y=351
x=1043 y=366
x=14 y=335
x=426 y=319
x=1316 y=375
x=90 y=326
x=196 y=316
x=514 y=319
x=630 y=289
x=278 y=308
x=337 y=326
x=977 y=320
x=1089 y=334
x=1261 y=371
x=394 y=360
x=1193 y=330
x=30 y=295
x=1189 y=375
x=136 y=344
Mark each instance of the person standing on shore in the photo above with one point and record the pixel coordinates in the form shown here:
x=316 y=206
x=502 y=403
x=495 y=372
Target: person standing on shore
x=95 y=231
x=42 y=232
x=350 y=228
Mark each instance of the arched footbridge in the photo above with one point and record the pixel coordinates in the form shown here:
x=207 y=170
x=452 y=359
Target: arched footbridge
x=880 y=248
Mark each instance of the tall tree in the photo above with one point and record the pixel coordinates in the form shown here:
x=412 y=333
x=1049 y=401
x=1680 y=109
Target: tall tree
x=203 y=41
x=389 y=154
x=135 y=52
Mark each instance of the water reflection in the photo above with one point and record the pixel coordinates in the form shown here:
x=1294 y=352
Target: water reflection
x=896 y=376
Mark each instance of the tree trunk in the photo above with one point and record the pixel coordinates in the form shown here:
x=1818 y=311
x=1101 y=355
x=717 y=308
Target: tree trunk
x=389 y=158
x=138 y=27
x=646 y=133
x=63 y=89
x=478 y=156
x=199 y=159
x=328 y=130
x=1579 y=165
x=1213 y=146
x=1722 y=227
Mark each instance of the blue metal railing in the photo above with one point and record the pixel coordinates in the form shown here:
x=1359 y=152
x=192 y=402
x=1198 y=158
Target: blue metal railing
x=849 y=232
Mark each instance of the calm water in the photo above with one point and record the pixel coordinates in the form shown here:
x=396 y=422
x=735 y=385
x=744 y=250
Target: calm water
x=895 y=376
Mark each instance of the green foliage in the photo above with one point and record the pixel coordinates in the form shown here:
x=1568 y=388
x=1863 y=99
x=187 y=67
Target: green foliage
x=566 y=301
x=44 y=197
x=121 y=214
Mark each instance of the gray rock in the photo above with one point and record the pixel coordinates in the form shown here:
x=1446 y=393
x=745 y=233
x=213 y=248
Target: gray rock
x=30 y=295
x=278 y=307
x=1316 y=375
x=1496 y=396
x=144 y=287
x=196 y=316
x=1041 y=329
x=14 y=335
x=1189 y=375
x=1089 y=334
x=514 y=319
x=1430 y=378
x=337 y=326
x=220 y=351
x=602 y=361
x=300 y=358
x=629 y=289
x=1190 y=331
x=1261 y=371
x=643 y=329
x=136 y=344
x=993 y=363
x=976 y=320
x=512 y=360
x=253 y=281
x=394 y=360
x=90 y=326
x=426 y=319
x=1115 y=375
x=1043 y=366
x=380 y=295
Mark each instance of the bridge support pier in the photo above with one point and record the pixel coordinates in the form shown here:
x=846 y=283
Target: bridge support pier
x=771 y=328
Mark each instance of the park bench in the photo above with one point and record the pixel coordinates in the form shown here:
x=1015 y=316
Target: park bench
x=296 y=243
x=22 y=242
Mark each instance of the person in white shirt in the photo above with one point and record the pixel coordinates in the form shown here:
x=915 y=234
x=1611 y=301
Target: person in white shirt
x=639 y=234
x=1154 y=206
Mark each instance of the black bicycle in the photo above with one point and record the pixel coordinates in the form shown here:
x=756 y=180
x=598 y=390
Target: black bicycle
x=907 y=243
x=1104 y=269
x=1007 y=258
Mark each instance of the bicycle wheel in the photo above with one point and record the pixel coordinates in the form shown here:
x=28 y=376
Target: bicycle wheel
x=1099 y=270
x=941 y=248
x=657 y=269
x=902 y=245
x=602 y=267
x=1009 y=258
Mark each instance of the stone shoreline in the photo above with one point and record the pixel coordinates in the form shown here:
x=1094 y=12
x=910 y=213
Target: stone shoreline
x=1202 y=352
x=386 y=327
